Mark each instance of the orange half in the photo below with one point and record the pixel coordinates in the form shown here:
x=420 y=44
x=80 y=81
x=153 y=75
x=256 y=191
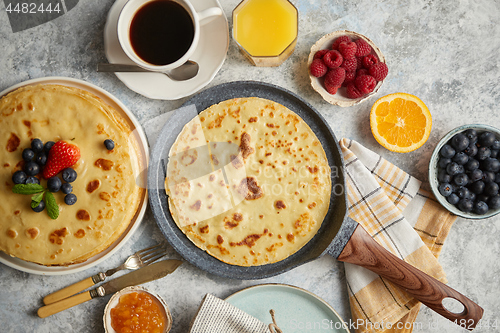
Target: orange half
x=400 y=122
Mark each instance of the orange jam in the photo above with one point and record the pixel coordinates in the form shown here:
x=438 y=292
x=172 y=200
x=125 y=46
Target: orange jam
x=138 y=312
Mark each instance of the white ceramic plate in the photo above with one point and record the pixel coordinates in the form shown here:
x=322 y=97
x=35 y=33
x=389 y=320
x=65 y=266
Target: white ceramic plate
x=33 y=268
x=296 y=310
x=210 y=55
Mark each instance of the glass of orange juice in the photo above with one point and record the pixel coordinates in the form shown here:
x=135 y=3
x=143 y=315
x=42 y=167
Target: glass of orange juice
x=266 y=30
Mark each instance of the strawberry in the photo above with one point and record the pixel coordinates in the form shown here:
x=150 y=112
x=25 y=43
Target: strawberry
x=62 y=155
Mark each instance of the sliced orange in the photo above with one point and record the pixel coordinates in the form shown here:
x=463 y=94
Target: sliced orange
x=400 y=122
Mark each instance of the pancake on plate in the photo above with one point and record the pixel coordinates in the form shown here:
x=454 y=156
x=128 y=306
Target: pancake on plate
x=248 y=181
x=107 y=194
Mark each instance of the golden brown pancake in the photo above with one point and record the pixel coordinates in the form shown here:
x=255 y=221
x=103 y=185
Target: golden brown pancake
x=108 y=196
x=248 y=181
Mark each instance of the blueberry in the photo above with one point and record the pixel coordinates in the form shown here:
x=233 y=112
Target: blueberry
x=461 y=158
x=473 y=164
x=494 y=202
x=28 y=154
x=461 y=179
x=494 y=153
x=19 y=177
x=453 y=169
x=69 y=175
x=459 y=142
x=486 y=139
x=47 y=146
x=471 y=196
x=471 y=150
x=41 y=158
x=32 y=180
x=54 y=184
x=462 y=192
x=495 y=145
x=453 y=199
x=445 y=189
x=488 y=176
x=491 y=189
x=31 y=168
x=471 y=134
x=465 y=205
x=66 y=188
x=40 y=207
x=443 y=162
x=70 y=199
x=483 y=197
x=480 y=208
x=110 y=144
x=483 y=153
x=477 y=187
x=447 y=151
x=475 y=175
x=491 y=164
x=443 y=176
x=497 y=178
x=37 y=145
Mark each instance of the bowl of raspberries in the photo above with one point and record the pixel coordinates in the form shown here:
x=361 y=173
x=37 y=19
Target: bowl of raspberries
x=346 y=68
x=464 y=171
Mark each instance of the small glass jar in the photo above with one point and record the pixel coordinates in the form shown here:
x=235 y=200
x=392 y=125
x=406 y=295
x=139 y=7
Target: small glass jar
x=266 y=30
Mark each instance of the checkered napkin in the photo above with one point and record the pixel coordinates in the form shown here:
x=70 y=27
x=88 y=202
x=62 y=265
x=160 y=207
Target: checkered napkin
x=405 y=220
x=216 y=316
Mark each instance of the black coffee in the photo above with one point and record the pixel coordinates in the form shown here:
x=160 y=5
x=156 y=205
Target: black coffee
x=161 y=32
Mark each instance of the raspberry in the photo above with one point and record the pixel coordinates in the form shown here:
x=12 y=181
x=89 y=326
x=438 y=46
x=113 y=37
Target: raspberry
x=360 y=63
x=331 y=88
x=363 y=49
x=318 y=68
x=362 y=71
x=335 y=77
x=369 y=60
x=339 y=40
x=320 y=54
x=347 y=49
x=349 y=77
x=332 y=59
x=352 y=91
x=378 y=71
x=350 y=64
x=365 y=83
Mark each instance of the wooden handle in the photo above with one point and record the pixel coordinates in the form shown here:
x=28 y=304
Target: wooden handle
x=49 y=310
x=75 y=288
x=364 y=251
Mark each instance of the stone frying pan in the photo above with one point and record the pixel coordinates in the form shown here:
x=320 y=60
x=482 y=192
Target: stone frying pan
x=339 y=236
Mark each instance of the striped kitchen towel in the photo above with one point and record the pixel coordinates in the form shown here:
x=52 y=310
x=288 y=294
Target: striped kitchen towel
x=405 y=220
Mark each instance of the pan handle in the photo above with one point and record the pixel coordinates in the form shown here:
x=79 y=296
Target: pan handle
x=364 y=251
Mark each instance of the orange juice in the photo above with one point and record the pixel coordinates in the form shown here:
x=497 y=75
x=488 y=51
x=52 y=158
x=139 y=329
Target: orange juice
x=265 y=28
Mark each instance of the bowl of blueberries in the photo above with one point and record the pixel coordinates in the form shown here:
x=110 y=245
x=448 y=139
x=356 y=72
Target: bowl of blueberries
x=464 y=171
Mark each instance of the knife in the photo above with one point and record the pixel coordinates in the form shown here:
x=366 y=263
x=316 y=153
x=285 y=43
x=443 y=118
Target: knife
x=149 y=273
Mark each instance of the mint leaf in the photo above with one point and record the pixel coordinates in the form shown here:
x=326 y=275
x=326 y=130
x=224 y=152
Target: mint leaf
x=27 y=188
x=35 y=200
x=51 y=204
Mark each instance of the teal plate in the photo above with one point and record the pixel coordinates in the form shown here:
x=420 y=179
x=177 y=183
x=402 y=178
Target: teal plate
x=296 y=309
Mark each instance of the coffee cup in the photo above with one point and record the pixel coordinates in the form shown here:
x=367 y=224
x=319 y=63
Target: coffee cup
x=160 y=35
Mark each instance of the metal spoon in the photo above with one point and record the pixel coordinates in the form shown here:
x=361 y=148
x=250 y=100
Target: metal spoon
x=181 y=73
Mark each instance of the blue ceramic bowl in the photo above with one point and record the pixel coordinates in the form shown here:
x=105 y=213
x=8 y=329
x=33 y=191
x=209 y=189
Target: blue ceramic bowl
x=433 y=170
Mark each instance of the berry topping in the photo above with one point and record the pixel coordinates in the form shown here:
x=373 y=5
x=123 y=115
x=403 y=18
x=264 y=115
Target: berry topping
x=378 y=71
x=66 y=188
x=32 y=180
x=40 y=207
x=369 y=60
x=19 y=177
x=54 y=184
x=348 y=49
x=317 y=69
x=47 y=146
x=31 y=168
x=363 y=48
x=333 y=59
x=365 y=83
x=28 y=154
x=41 y=158
x=37 y=145
x=70 y=199
x=69 y=175
x=62 y=155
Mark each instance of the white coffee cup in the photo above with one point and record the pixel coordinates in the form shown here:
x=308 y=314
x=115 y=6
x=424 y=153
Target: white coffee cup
x=130 y=10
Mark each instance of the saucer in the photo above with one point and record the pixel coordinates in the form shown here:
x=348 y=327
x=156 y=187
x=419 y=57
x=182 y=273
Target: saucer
x=210 y=55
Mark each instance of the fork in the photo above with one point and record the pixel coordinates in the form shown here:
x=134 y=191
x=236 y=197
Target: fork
x=139 y=259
